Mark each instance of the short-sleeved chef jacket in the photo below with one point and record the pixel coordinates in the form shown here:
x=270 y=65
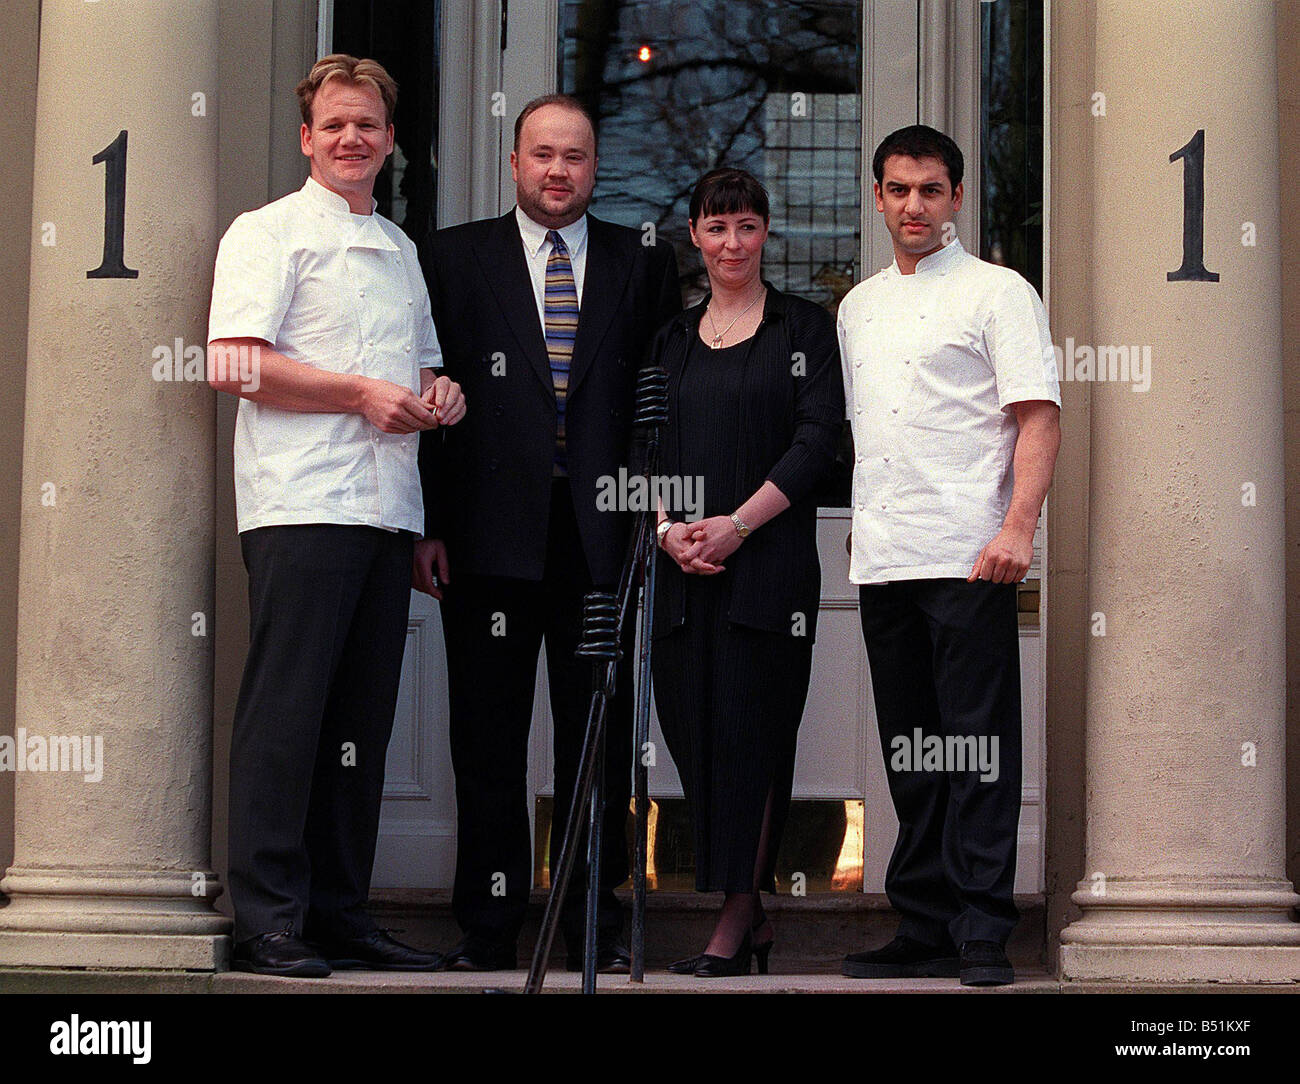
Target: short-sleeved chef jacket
x=933 y=362
x=338 y=291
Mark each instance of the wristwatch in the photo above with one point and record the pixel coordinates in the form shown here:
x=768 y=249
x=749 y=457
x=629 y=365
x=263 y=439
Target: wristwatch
x=741 y=528
x=664 y=527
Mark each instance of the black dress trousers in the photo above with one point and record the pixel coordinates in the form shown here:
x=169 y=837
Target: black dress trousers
x=945 y=661
x=494 y=628
x=328 y=616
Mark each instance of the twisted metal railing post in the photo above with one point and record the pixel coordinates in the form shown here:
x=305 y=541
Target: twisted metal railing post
x=605 y=616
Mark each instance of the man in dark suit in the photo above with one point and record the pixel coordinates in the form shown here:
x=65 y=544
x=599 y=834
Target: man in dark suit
x=544 y=316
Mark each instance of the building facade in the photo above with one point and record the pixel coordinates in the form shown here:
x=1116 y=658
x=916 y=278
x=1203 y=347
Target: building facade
x=1138 y=180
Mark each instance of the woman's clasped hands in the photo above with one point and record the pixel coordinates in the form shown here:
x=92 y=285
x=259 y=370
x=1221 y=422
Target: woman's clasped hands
x=701 y=547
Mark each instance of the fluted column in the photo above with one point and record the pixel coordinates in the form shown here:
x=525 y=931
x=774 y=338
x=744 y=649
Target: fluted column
x=1185 y=876
x=111 y=847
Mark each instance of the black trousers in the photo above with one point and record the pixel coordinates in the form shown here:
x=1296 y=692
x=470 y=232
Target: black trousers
x=328 y=614
x=945 y=660
x=494 y=628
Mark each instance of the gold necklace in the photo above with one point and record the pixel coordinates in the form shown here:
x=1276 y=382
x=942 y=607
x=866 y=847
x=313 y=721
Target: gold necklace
x=718 y=336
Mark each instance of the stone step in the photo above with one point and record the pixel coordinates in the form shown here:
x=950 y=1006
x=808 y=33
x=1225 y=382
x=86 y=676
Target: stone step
x=67 y=982
x=813 y=933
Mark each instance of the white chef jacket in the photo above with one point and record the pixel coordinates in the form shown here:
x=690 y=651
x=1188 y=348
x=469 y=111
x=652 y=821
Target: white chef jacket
x=337 y=291
x=932 y=363
x=537 y=250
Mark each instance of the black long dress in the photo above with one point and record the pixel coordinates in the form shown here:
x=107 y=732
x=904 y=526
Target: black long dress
x=730 y=697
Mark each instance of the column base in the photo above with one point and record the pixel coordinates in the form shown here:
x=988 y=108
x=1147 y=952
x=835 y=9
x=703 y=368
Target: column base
x=137 y=952
x=1181 y=963
x=1231 y=931
x=147 y=919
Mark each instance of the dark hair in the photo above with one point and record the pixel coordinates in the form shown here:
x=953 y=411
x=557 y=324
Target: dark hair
x=566 y=100
x=728 y=192
x=920 y=141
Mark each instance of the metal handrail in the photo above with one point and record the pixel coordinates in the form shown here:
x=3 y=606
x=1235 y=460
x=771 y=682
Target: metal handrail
x=605 y=616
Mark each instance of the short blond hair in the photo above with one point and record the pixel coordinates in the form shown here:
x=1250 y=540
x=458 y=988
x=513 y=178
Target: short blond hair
x=366 y=73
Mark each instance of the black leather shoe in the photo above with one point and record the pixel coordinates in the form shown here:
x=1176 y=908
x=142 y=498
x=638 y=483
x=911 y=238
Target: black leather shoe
x=612 y=958
x=902 y=958
x=377 y=951
x=985 y=963
x=475 y=954
x=281 y=953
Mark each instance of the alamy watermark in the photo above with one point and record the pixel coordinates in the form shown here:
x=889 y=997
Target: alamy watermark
x=131 y=1038
x=946 y=753
x=639 y=493
x=1105 y=364
x=83 y=753
x=177 y=363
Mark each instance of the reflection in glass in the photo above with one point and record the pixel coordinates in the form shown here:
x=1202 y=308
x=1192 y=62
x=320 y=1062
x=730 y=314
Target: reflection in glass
x=1011 y=143
x=821 y=848
x=771 y=87
x=403 y=36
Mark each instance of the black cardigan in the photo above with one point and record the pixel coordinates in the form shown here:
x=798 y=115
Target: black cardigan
x=791 y=441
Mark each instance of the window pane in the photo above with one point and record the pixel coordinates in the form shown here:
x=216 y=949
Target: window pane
x=403 y=36
x=1011 y=97
x=764 y=85
x=767 y=86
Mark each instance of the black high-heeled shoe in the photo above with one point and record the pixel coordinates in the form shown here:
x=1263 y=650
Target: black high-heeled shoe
x=718 y=967
x=686 y=966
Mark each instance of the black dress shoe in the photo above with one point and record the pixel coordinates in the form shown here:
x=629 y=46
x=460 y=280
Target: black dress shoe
x=281 y=953
x=475 y=954
x=902 y=958
x=985 y=963
x=612 y=958
x=377 y=951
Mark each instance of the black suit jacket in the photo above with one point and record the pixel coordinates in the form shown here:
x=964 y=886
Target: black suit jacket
x=487 y=480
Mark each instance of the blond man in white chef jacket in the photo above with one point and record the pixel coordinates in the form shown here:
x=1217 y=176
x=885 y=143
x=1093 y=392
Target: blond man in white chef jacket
x=323 y=301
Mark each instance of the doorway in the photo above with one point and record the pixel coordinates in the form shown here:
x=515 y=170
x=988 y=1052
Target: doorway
x=799 y=95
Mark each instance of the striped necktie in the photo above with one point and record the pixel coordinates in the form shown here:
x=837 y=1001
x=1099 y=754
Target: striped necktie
x=561 y=309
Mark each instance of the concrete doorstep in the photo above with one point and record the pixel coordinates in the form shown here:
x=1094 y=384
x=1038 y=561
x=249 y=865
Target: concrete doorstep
x=19 y=981
x=812 y=936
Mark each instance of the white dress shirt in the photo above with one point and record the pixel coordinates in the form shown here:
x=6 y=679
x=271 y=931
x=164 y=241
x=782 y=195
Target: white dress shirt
x=537 y=250
x=932 y=363
x=337 y=291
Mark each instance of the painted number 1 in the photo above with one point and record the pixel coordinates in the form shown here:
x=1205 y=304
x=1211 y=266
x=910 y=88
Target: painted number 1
x=1193 y=155
x=113 y=265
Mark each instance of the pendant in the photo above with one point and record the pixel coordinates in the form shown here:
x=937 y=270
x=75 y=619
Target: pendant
x=717 y=342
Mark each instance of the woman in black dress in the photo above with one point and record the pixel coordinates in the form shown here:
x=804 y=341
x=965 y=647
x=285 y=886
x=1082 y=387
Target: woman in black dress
x=756 y=403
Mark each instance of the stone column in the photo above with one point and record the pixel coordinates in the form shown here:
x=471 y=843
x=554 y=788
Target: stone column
x=1185 y=876
x=115 y=586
